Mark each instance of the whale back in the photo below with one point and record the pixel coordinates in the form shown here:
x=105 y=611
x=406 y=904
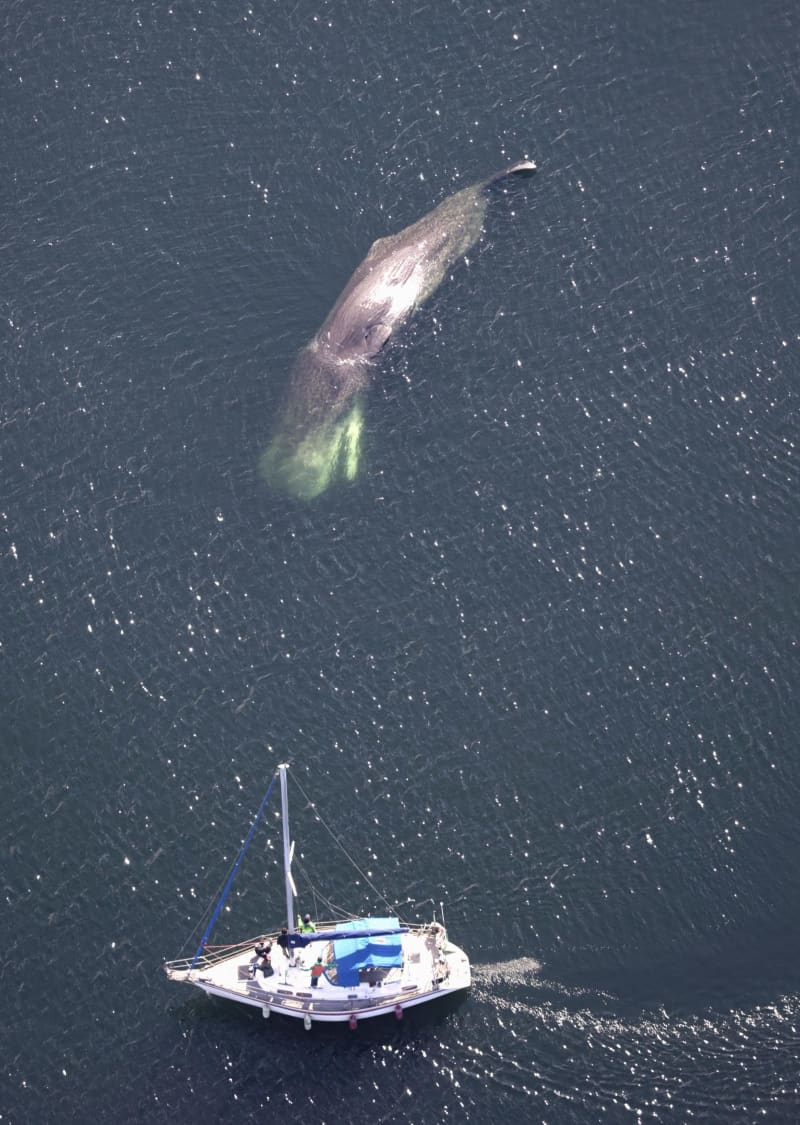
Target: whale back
x=317 y=435
x=402 y=270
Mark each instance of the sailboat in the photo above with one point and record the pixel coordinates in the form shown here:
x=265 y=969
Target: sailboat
x=338 y=971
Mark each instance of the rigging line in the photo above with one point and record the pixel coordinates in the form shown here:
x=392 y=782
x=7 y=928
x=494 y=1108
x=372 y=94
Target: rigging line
x=210 y=904
x=317 y=893
x=309 y=887
x=234 y=869
x=341 y=846
x=207 y=909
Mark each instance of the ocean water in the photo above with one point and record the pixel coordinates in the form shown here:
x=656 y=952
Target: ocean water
x=538 y=662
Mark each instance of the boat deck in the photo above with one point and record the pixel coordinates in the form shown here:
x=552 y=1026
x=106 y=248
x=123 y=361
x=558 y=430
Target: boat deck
x=432 y=966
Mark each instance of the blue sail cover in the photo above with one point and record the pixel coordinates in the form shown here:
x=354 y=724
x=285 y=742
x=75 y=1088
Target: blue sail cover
x=382 y=950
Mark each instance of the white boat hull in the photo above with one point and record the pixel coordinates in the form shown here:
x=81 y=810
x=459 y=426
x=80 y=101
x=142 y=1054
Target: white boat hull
x=432 y=968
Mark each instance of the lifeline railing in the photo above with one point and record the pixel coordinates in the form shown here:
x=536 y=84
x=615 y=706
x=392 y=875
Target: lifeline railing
x=208 y=956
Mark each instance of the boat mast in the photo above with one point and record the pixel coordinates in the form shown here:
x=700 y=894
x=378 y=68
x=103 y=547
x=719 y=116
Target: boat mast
x=287 y=850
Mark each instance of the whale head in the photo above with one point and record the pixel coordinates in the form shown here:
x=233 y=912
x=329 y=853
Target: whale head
x=305 y=466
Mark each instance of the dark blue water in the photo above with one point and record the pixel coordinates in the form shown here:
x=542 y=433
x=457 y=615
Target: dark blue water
x=538 y=662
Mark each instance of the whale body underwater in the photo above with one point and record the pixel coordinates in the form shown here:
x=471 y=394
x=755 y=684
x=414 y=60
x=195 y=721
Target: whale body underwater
x=317 y=435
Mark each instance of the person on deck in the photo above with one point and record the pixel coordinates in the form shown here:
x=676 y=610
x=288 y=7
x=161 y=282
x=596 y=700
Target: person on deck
x=262 y=960
x=283 y=941
x=317 y=970
x=305 y=925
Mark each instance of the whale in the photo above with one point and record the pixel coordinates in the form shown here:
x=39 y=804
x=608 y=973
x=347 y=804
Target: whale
x=316 y=438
